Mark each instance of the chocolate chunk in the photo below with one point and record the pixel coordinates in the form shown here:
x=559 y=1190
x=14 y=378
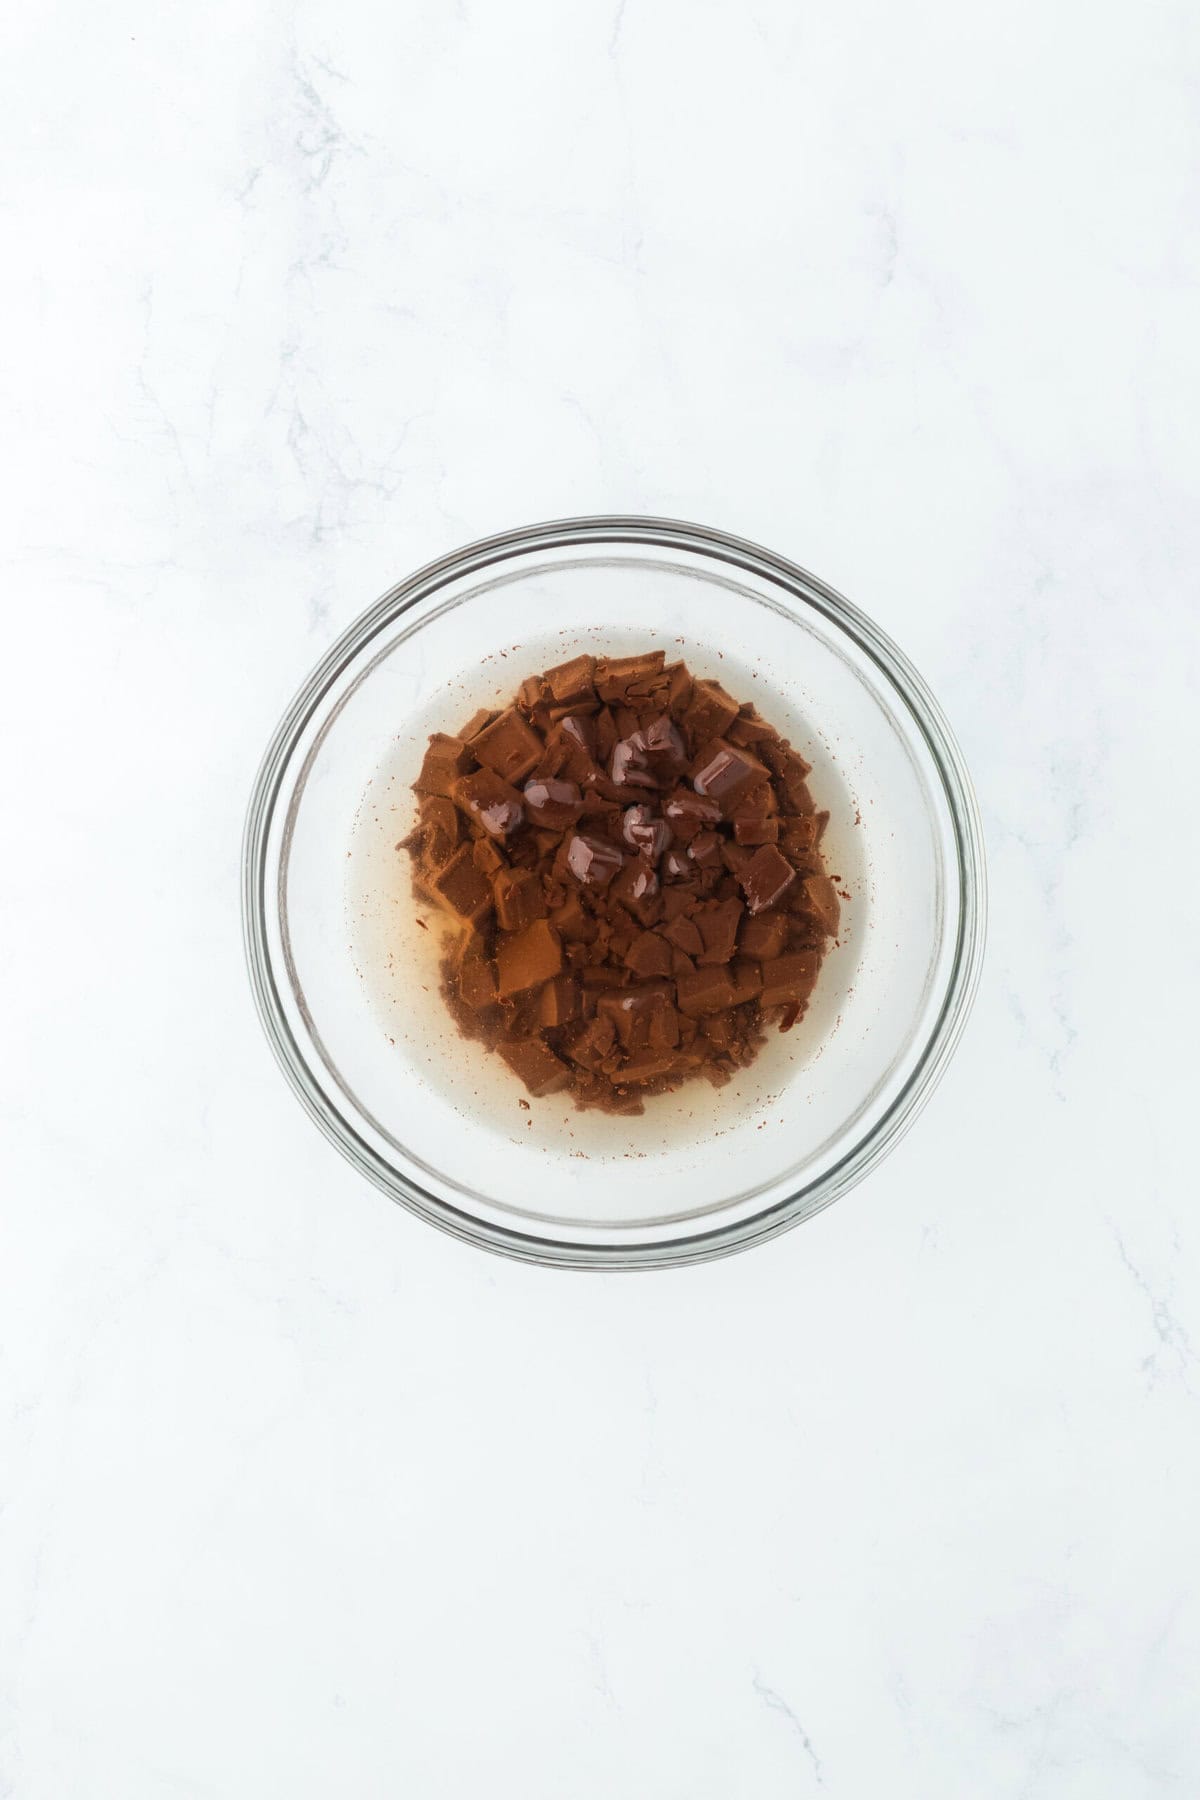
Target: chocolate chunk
x=709 y=711
x=476 y=723
x=821 y=900
x=525 y=958
x=789 y=980
x=722 y=772
x=685 y=935
x=642 y=831
x=629 y=767
x=621 y=677
x=553 y=803
x=648 y=955
x=445 y=760
x=476 y=977
x=558 y=1002
x=631 y=1009
x=756 y=831
x=705 y=849
x=509 y=746
x=581 y=729
x=717 y=922
x=766 y=878
x=439 y=826
x=747 y=980
x=663 y=748
x=687 y=813
x=708 y=990
x=461 y=888
x=491 y=802
x=592 y=860
x=764 y=937
x=572 y=681
x=748 y=728
x=534 y=1061
x=636 y=882
x=518 y=898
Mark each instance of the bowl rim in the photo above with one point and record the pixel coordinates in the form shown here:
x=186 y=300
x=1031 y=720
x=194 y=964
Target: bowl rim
x=963 y=811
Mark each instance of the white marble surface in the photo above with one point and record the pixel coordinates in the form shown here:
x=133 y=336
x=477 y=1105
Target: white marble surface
x=298 y=1497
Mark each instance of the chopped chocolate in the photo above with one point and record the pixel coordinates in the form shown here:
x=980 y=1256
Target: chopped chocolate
x=789 y=980
x=710 y=711
x=642 y=831
x=722 y=772
x=572 y=681
x=535 y=1062
x=687 y=813
x=592 y=860
x=445 y=760
x=820 y=899
x=764 y=936
x=518 y=898
x=490 y=802
x=509 y=746
x=632 y=861
x=766 y=878
x=461 y=888
x=553 y=803
x=526 y=958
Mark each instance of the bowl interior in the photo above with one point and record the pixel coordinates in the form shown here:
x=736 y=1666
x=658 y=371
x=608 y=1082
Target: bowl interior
x=356 y=954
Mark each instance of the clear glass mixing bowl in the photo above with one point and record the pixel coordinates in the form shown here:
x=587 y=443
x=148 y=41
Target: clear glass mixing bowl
x=345 y=977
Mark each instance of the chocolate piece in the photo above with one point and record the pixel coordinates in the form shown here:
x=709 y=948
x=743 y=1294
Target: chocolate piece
x=509 y=746
x=581 y=729
x=491 y=802
x=642 y=831
x=687 y=813
x=572 y=681
x=553 y=803
x=476 y=977
x=708 y=990
x=763 y=937
x=439 y=826
x=624 y=677
x=821 y=900
x=632 y=1008
x=756 y=831
x=722 y=772
x=717 y=923
x=534 y=1061
x=648 y=955
x=445 y=760
x=592 y=860
x=685 y=935
x=705 y=849
x=518 y=898
x=766 y=878
x=558 y=1002
x=789 y=980
x=709 y=711
x=604 y=983
x=629 y=767
x=747 y=980
x=461 y=888
x=525 y=958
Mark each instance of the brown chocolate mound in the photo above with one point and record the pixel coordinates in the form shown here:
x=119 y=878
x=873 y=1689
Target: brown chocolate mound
x=633 y=861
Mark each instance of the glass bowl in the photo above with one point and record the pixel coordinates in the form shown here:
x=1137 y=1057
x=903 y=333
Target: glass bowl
x=342 y=957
